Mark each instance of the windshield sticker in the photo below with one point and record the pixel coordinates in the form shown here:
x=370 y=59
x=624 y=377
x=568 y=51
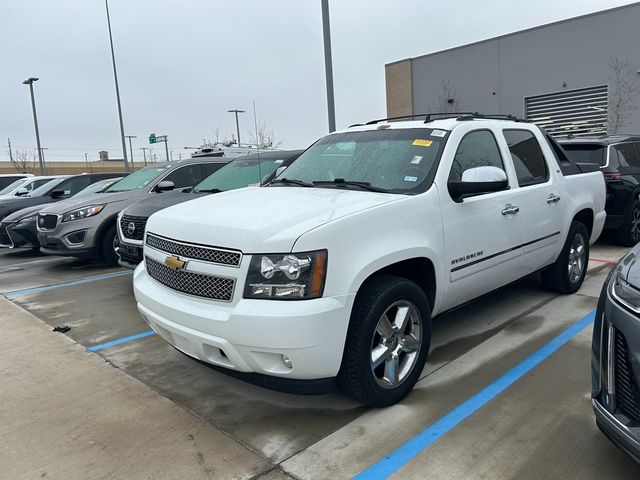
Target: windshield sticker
x=438 y=133
x=409 y=178
x=416 y=159
x=422 y=143
x=279 y=161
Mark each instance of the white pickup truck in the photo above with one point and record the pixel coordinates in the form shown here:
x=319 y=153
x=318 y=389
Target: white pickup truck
x=333 y=273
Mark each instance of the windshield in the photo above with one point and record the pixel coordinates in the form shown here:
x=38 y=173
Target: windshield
x=241 y=172
x=96 y=187
x=13 y=186
x=585 y=153
x=44 y=189
x=139 y=179
x=395 y=160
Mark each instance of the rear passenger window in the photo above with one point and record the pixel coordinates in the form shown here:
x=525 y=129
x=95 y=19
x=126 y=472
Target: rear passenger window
x=528 y=159
x=186 y=176
x=74 y=185
x=627 y=155
x=477 y=149
x=209 y=168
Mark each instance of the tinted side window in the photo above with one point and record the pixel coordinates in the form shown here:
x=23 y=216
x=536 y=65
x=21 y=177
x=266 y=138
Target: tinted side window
x=6 y=181
x=186 y=176
x=477 y=149
x=38 y=183
x=627 y=155
x=528 y=159
x=209 y=168
x=74 y=185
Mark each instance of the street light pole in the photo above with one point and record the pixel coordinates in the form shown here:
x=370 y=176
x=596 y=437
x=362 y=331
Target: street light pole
x=237 y=123
x=328 y=66
x=115 y=78
x=86 y=161
x=130 y=149
x=29 y=81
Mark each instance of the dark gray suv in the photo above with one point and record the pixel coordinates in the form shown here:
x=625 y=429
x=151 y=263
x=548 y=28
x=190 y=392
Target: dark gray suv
x=615 y=364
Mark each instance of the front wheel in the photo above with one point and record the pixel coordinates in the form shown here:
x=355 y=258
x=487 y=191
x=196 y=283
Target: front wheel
x=387 y=343
x=109 y=244
x=567 y=273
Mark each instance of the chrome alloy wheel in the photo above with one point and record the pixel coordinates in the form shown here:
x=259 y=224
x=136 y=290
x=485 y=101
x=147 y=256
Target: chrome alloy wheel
x=635 y=223
x=577 y=258
x=396 y=344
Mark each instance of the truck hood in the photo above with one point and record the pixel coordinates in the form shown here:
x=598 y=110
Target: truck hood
x=69 y=204
x=157 y=201
x=260 y=220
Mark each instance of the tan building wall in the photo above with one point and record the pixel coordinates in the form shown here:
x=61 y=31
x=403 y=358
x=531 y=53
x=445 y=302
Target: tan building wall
x=399 y=89
x=71 y=168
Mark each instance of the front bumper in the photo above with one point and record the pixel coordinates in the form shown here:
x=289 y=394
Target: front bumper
x=616 y=373
x=129 y=256
x=249 y=335
x=625 y=438
x=74 y=239
x=18 y=235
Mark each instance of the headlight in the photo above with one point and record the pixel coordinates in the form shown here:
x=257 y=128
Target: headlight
x=625 y=293
x=292 y=276
x=82 y=213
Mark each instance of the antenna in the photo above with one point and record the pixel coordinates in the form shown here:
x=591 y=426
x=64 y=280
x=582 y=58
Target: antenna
x=255 y=124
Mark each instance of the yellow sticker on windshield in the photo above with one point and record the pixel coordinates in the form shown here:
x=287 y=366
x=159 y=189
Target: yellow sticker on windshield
x=422 y=143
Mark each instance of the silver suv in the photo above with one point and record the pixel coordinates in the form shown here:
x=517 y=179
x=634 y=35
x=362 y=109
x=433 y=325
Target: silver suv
x=86 y=227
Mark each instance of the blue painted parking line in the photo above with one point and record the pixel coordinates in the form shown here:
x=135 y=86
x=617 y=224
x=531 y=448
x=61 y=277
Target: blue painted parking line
x=405 y=453
x=118 y=341
x=96 y=278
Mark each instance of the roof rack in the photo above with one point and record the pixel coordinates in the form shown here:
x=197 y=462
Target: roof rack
x=460 y=116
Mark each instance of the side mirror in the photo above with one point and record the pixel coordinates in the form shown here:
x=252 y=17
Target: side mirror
x=164 y=186
x=478 y=180
x=56 y=194
x=22 y=191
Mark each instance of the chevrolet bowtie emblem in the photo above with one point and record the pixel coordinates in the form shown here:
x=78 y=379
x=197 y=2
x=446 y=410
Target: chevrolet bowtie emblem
x=174 y=263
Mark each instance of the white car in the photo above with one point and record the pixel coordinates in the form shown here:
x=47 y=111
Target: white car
x=24 y=186
x=335 y=270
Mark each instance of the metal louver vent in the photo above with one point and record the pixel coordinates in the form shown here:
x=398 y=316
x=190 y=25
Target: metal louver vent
x=580 y=112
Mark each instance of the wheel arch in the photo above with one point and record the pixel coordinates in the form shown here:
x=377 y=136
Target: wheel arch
x=97 y=238
x=586 y=217
x=420 y=270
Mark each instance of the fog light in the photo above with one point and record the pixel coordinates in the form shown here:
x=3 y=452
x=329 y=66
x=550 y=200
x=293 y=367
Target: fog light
x=287 y=361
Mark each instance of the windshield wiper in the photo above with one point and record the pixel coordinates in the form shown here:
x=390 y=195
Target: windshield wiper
x=206 y=190
x=339 y=182
x=291 y=181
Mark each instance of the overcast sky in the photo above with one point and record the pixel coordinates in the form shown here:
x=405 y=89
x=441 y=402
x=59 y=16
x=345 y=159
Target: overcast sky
x=183 y=64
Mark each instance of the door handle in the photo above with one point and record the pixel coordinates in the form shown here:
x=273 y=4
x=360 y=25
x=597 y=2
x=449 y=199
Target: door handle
x=553 y=198
x=510 y=209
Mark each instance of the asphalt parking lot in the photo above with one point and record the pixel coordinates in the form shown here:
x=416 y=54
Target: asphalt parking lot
x=479 y=411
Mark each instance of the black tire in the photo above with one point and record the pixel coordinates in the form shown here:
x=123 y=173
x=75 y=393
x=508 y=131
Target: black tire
x=107 y=245
x=628 y=234
x=557 y=277
x=357 y=377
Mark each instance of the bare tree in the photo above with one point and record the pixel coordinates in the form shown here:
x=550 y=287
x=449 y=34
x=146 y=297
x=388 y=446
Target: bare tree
x=24 y=161
x=264 y=137
x=448 y=101
x=626 y=90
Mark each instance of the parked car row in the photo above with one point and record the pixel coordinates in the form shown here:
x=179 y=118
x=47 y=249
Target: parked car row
x=306 y=270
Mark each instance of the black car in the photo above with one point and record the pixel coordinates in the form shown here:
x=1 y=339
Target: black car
x=18 y=229
x=615 y=363
x=255 y=169
x=619 y=160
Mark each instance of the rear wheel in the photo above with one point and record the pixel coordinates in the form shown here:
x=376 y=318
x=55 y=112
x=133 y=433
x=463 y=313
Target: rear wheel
x=567 y=273
x=387 y=343
x=628 y=234
x=109 y=244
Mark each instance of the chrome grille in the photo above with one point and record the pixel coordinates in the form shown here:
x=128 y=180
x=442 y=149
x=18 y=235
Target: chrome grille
x=196 y=252
x=207 y=286
x=627 y=394
x=139 y=223
x=47 y=222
